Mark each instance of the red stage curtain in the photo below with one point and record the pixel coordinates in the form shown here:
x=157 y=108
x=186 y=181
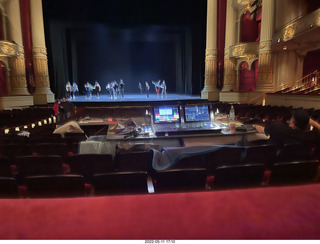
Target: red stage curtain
x=249 y=28
x=247 y=77
x=27 y=42
x=3 y=80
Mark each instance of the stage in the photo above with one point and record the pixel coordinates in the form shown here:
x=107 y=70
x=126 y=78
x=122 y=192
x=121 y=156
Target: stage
x=129 y=99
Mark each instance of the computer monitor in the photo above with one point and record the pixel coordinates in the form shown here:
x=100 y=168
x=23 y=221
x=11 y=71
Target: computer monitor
x=196 y=113
x=166 y=114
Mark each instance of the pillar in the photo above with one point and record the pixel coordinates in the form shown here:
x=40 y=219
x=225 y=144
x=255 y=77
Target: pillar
x=17 y=74
x=43 y=94
x=265 y=81
x=229 y=63
x=210 y=90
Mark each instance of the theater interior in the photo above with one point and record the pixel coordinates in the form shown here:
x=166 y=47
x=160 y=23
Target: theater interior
x=155 y=133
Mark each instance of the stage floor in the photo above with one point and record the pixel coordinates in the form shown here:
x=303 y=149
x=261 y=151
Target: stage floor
x=135 y=98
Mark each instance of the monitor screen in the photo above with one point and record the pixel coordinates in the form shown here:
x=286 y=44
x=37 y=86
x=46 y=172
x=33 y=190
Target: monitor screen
x=194 y=113
x=166 y=114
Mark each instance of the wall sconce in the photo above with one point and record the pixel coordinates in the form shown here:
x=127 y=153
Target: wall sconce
x=50 y=120
x=6 y=131
x=54 y=119
x=25 y=127
x=45 y=122
x=39 y=123
x=17 y=129
x=33 y=125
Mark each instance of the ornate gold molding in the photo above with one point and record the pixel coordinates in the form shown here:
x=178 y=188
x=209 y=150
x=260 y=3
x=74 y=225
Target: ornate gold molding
x=41 y=73
x=229 y=72
x=17 y=73
x=265 y=73
x=210 y=72
x=289 y=32
x=9 y=49
x=244 y=49
x=318 y=21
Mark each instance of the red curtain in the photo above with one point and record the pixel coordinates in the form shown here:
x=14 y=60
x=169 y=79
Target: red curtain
x=249 y=28
x=3 y=80
x=311 y=62
x=248 y=77
x=27 y=42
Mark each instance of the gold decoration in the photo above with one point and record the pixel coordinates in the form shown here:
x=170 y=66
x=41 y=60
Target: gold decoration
x=318 y=21
x=210 y=72
x=41 y=73
x=265 y=73
x=229 y=79
x=238 y=50
x=39 y=50
x=288 y=32
x=17 y=73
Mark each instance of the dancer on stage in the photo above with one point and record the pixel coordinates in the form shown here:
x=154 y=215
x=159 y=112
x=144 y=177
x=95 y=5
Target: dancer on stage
x=68 y=90
x=75 y=90
x=109 y=90
x=147 y=89
x=140 y=87
x=121 y=88
x=89 y=89
x=164 y=89
x=115 y=89
x=157 y=86
x=97 y=89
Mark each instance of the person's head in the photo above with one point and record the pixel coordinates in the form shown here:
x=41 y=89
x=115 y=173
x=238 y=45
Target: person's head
x=301 y=119
x=57 y=100
x=64 y=99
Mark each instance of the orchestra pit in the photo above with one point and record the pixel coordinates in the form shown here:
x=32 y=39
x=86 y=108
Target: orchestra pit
x=160 y=121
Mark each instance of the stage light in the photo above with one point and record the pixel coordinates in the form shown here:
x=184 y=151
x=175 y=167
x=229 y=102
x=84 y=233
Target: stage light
x=6 y=131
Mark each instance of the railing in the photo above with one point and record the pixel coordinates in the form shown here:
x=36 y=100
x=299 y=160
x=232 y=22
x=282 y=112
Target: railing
x=309 y=80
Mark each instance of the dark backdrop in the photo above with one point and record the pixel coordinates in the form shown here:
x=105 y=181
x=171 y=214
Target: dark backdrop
x=136 y=40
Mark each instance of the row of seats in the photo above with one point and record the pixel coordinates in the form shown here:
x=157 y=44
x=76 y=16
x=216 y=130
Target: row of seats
x=129 y=171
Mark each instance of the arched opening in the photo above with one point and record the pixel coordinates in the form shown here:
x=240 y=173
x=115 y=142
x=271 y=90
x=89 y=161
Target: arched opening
x=249 y=28
x=311 y=62
x=3 y=80
x=247 y=77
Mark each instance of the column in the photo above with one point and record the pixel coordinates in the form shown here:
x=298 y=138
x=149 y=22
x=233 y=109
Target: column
x=43 y=94
x=210 y=90
x=17 y=74
x=265 y=81
x=229 y=63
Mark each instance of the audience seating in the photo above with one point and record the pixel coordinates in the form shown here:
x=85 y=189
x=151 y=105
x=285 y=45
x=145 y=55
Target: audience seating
x=223 y=156
x=11 y=151
x=135 y=161
x=8 y=187
x=5 y=167
x=60 y=149
x=175 y=180
x=120 y=183
x=260 y=154
x=46 y=186
x=294 y=172
x=89 y=164
x=290 y=152
x=237 y=176
x=38 y=165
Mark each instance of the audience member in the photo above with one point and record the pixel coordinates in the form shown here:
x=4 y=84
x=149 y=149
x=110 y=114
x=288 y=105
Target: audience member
x=66 y=108
x=57 y=109
x=297 y=130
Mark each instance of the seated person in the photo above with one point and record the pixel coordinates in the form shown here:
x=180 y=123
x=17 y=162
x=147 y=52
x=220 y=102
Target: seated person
x=297 y=130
